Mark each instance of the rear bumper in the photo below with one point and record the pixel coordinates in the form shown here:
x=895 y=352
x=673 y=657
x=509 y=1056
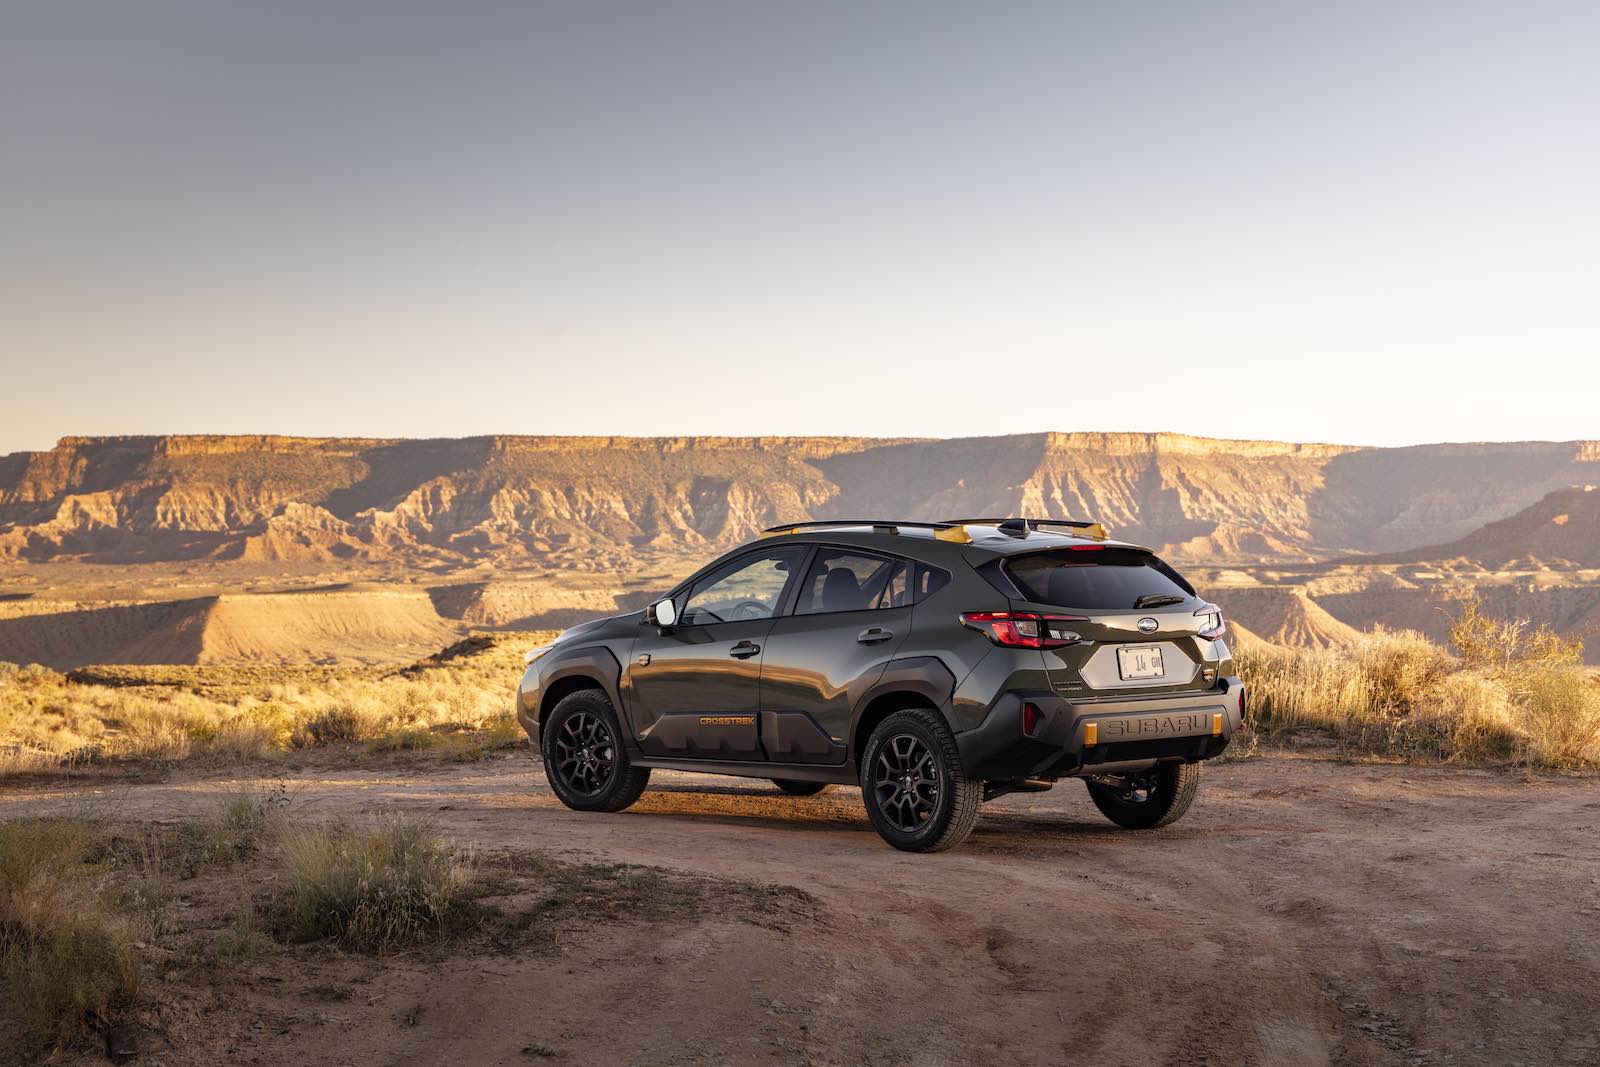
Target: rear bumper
x=1127 y=734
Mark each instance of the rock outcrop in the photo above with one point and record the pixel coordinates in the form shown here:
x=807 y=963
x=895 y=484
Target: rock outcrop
x=598 y=501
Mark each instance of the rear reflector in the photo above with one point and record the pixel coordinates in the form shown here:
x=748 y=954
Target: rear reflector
x=1031 y=720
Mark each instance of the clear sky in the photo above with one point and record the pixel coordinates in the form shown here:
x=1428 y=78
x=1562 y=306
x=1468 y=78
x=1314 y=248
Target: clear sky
x=1358 y=222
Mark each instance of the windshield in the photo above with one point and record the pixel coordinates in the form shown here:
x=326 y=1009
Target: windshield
x=1098 y=579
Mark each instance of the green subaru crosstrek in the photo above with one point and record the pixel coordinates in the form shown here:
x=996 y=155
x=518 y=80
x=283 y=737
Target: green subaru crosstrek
x=935 y=665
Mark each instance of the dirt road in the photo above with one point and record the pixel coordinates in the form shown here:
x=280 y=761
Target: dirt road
x=1304 y=912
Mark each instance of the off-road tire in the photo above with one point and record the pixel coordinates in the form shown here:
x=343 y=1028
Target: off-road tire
x=619 y=784
x=952 y=800
x=1176 y=786
x=796 y=788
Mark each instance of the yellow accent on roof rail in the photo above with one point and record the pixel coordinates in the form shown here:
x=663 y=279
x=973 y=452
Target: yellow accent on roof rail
x=956 y=534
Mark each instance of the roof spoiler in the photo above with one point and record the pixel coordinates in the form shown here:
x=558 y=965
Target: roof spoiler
x=1021 y=527
x=950 y=529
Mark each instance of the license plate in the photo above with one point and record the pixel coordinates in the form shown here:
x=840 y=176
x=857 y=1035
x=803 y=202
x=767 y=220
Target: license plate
x=1139 y=662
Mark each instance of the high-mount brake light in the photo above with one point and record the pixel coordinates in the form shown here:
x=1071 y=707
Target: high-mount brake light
x=1088 y=548
x=1023 y=629
x=1212 y=625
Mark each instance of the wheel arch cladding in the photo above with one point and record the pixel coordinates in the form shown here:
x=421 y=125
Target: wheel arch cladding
x=589 y=668
x=923 y=682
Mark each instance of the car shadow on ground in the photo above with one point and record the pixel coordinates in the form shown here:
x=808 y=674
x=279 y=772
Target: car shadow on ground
x=839 y=809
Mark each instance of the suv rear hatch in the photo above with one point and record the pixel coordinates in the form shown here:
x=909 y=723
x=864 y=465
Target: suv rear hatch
x=1115 y=621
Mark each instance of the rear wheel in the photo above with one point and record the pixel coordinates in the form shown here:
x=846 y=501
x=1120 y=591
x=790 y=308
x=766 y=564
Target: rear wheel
x=797 y=788
x=1147 y=800
x=917 y=795
x=584 y=759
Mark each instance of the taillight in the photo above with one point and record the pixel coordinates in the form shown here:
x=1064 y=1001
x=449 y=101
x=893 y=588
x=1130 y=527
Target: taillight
x=1023 y=629
x=1211 y=624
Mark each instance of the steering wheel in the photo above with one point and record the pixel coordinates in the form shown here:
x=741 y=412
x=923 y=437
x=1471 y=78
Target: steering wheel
x=748 y=611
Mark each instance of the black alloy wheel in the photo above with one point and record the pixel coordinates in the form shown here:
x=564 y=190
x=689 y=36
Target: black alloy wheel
x=586 y=755
x=906 y=783
x=916 y=793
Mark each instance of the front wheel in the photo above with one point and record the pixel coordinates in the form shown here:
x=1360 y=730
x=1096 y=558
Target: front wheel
x=796 y=788
x=1147 y=800
x=583 y=755
x=916 y=793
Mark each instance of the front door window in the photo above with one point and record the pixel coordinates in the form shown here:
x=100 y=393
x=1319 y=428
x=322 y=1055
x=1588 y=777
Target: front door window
x=745 y=590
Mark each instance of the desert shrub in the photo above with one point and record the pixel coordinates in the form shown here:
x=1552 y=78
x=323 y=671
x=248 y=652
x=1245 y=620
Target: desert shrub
x=68 y=957
x=274 y=720
x=376 y=887
x=1500 y=645
x=235 y=830
x=503 y=731
x=336 y=725
x=245 y=941
x=405 y=739
x=1560 y=712
x=1515 y=694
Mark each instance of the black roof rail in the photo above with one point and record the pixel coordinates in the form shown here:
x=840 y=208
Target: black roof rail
x=1019 y=527
x=877 y=524
x=891 y=526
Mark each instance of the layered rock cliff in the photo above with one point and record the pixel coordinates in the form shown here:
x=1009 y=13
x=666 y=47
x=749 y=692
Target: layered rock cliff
x=594 y=501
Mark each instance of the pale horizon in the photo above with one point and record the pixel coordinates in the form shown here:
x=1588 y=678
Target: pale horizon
x=1362 y=225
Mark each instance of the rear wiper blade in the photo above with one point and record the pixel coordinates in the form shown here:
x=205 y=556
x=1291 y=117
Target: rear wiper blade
x=1157 y=600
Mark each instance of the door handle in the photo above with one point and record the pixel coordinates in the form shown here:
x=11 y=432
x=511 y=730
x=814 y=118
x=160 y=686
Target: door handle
x=744 y=650
x=874 y=633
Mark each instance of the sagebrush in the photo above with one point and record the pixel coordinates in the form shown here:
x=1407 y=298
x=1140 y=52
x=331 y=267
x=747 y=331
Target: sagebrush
x=1513 y=693
x=68 y=934
x=375 y=887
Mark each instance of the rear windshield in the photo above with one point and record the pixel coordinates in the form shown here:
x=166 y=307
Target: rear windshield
x=1101 y=579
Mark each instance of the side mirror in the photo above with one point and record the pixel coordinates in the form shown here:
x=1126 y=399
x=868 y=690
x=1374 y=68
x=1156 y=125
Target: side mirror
x=664 y=613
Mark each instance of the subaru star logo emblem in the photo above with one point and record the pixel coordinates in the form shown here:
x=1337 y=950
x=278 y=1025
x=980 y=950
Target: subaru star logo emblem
x=1148 y=626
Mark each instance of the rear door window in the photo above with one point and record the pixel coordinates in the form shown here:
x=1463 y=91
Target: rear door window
x=1099 y=579
x=850 y=581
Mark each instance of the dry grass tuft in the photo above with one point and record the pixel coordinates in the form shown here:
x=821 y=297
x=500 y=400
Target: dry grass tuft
x=236 y=830
x=1514 y=695
x=244 y=943
x=377 y=887
x=68 y=935
x=335 y=726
